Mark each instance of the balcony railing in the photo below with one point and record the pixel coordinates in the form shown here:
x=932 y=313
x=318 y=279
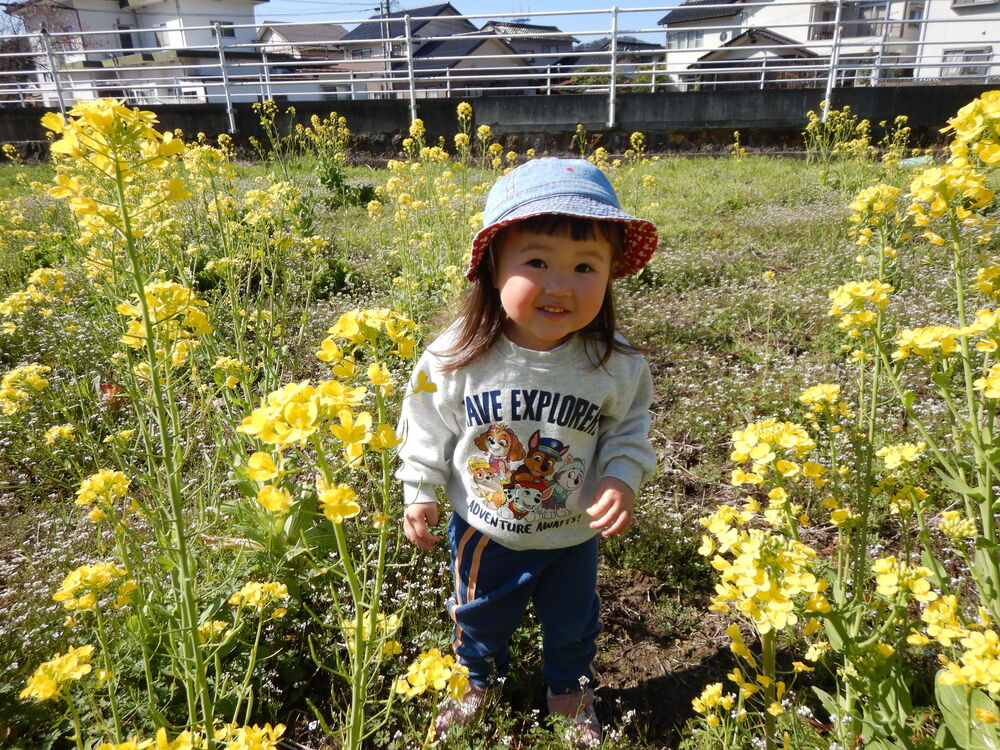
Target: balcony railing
x=765 y=46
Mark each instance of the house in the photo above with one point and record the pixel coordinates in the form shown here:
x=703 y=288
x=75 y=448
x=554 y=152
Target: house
x=146 y=51
x=878 y=40
x=531 y=40
x=447 y=50
x=384 y=35
x=311 y=41
x=758 y=57
x=967 y=47
x=465 y=65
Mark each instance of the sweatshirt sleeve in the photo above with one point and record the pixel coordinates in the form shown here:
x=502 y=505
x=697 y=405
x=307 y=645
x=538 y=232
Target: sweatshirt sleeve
x=625 y=451
x=429 y=431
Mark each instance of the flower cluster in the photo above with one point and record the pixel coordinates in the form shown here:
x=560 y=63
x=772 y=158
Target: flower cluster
x=762 y=574
x=949 y=190
x=101 y=490
x=894 y=578
x=711 y=702
x=436 y=672
x=977 y=131
x=19 y=385
x=40 y=290
x=901 y=453
x=858 y=302
x=112 y=147
x=385 y=626
x=50 y=677
x=769 y=444
x=260 y=595
x=227 y=737
x=82 y=587
x=176 y=315
x=824 y=399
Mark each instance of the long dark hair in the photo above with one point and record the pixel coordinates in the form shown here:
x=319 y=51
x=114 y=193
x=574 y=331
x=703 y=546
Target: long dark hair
x=481 y=317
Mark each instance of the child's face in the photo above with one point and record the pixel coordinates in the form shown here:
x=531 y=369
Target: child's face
x=550 y=286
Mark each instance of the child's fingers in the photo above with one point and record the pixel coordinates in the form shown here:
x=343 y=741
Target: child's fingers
x=416 y=521
x=609 y=509
x=622 y=523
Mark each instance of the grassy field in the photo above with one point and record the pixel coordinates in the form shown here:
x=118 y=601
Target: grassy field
x=733 y=314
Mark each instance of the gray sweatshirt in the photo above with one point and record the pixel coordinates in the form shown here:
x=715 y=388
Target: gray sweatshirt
x=520 y=438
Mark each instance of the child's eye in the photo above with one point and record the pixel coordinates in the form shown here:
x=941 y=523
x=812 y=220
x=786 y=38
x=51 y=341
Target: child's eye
x=585 y=268
x=536 y=263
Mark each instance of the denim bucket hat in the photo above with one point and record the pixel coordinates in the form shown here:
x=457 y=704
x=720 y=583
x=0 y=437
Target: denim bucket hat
x=571 y=187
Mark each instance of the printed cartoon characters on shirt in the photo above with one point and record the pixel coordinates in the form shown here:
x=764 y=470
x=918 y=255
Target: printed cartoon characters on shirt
x=566 y=482
x=501 y=448
x=523 y=498
x=489 y=486
x=543 y=455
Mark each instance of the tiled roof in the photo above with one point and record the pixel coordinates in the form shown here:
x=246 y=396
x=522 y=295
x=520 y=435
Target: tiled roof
x=375 y=27
x=511 y=28
x=458 y=46
x=691 y=10
x=304 y=32
x=792 y=47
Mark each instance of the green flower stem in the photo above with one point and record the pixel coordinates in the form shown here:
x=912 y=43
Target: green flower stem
x=251 y=666
x=193 y=661
x=112 y=677
x=355 y=720
x=74 y=716
x=768 y=663
x=939 y=454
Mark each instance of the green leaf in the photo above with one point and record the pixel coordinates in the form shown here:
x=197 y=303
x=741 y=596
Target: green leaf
x=957 y=703
x=829 y=702
x=909 y=397
x=957 y=484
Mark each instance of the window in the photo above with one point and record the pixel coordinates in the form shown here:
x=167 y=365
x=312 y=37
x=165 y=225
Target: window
x=685 y=39
x=125 y=39
x=956 y=62
x=357 y=54
x=971 y=3
x=225 y=28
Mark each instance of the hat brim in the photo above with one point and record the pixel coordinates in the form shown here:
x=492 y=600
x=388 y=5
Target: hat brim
x=640 y=234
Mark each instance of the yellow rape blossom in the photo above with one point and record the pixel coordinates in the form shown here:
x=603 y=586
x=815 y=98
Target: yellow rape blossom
x=258 y=595
x=432 y=671
x=49 y=678
x=274 y=499
x=339 y=503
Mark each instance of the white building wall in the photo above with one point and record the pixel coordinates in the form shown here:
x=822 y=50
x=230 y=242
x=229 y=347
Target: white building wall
x=970 y=29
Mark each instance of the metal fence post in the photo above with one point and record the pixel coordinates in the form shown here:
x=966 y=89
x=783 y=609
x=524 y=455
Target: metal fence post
x=409 y=69
x=54 y=68
x=877 y=70
x=834 y=60
x=225 y=78
x=612 y=84
x=267 y=74
x=548 y=80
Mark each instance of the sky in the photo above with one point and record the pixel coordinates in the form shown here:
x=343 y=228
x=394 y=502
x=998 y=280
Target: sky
x=632 y=17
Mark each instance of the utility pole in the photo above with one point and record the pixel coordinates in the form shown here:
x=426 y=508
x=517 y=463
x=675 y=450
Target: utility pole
x=386 y=45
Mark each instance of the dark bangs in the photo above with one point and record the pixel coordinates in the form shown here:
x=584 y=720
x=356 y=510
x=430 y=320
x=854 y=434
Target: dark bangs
x=576 y=228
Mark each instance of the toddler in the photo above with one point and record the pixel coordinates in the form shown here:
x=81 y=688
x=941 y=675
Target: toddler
x=533 y=414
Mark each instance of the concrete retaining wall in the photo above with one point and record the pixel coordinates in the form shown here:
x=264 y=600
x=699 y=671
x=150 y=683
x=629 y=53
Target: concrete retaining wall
x=768 y=117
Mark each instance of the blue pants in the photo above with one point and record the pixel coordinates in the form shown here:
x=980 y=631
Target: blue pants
x=493 y=585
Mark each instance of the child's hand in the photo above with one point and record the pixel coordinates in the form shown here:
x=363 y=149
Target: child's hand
x=416 y=520
x=613 y=508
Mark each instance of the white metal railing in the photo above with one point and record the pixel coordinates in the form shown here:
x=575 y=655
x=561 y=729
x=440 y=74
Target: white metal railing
x=782 y=43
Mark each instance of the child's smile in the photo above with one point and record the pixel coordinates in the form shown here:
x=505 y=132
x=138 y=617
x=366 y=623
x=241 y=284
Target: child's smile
x=550 y=285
